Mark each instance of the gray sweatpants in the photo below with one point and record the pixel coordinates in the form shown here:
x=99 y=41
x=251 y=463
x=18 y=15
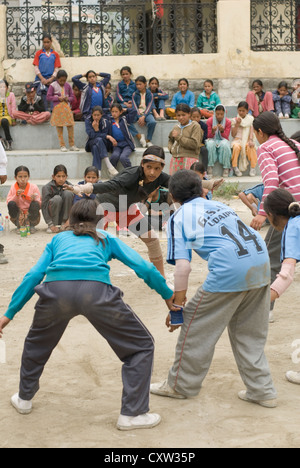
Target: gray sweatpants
x=205 y=318
x=104 y=307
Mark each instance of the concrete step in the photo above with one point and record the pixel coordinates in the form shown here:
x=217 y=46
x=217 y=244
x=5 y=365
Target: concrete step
x=44 y=136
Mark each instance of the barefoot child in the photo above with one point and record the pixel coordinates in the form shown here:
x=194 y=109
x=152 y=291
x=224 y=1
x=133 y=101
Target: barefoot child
x=235 y=294
x=24 y=201
x=56 y=203
x=77 y=282
x=284 y=214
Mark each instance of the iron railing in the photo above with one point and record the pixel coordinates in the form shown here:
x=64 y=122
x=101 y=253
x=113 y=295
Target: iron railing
x=275 y=25
x=112 y=27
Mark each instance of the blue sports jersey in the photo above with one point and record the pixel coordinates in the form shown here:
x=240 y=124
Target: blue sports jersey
x=237 y=256
x=290 y=244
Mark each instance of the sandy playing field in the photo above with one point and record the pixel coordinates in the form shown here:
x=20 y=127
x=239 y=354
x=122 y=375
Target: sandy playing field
x=79 y=400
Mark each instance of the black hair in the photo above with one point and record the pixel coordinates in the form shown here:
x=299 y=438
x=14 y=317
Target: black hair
x=84 y=219
x=97 y=108
x=90 y=71
x=243 y=104
x=62 y=73
x=259 y=82
x=198 y=167
x=117 y=105
x=283 y=84
x=5 y=81
x=269 y=123
x=91 y=169
x=20 y=169
x=195 y=109
x=126 y=68
x=142 y=79
x=185 y=185
x=154 y=78
x=47 y=36
x=184 y=79
x=60 y=168
x=183 y=108
x=278 y=203
x=209 y=81
x=220 y=107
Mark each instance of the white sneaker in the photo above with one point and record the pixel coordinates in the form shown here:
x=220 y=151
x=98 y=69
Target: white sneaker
x=143 y=141
x=252 y=172
x=143 y=421
x=280 y=115
x=74 y=148
x=63 y=149
x=293 y=377
x=149 y=143
x=271 y=317
x=22 y=406
x=264 y=403
x=286 y=116
x=112 y=171
x=237 y=172
x=164 y=389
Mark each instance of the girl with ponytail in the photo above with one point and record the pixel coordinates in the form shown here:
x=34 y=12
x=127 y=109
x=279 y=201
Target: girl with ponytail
x=279 y=162
x=283 y=212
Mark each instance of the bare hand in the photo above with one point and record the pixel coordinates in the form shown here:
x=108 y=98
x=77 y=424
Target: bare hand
x=3 y=179
x=4 y=321
x=257 y=222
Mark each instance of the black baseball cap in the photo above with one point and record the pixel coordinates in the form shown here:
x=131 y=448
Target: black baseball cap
x=29 y=87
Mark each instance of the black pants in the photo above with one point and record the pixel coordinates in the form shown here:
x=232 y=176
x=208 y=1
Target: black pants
x=5 y=125
x=103 y=306
x=33 y=213
x=1 y=249
x=273 y=241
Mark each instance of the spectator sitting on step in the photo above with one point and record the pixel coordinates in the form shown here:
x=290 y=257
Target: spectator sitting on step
x=282 y=100
x=31 y=108
x=243 y=146
x=75 y=106
x=184 y=96
x=7 y=109
x=258 y=100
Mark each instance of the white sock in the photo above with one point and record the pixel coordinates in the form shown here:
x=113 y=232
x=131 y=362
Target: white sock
x=108 y=163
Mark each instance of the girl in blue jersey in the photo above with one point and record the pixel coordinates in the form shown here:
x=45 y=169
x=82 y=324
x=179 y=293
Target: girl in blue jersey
x=236 y=294
x=77 y=282
x=283 y=212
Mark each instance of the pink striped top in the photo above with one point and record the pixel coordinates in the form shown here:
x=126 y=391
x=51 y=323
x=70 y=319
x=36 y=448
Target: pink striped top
x=279 y=167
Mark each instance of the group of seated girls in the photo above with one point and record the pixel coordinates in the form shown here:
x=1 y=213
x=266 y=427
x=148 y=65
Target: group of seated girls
x=25 y=202
x=192 y=140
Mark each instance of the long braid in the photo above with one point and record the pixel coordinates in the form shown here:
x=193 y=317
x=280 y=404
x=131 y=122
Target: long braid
x=289 y=142
x=269 y=123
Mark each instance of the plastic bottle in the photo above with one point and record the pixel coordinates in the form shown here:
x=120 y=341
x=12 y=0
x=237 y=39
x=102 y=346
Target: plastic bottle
x=2 y=352
x=6 y=226
x=1 y=225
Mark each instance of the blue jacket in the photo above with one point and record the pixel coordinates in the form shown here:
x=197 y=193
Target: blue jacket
x=136 y=100
x=124 y=92
x=125 y=119
x=87 y=88
x=93 y=135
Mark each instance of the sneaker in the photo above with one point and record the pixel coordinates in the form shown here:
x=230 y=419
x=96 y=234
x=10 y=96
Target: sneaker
x=286 y=116
x=225 y=172
x=112 y=171
x=264 y=403
x=63 y=149
x=143 y=421
x=271 y=317
x=143 y=141
x=237 y=172
x=252 y=172
x=164 y=389
x=293 y=377
x=22 y=406
x=280 y=115
x=149 y=143
x=33 y=230
x=3 y=259
x=74 y=148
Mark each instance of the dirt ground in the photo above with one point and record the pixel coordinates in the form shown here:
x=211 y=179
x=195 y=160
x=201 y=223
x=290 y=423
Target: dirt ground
x=79 y=400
